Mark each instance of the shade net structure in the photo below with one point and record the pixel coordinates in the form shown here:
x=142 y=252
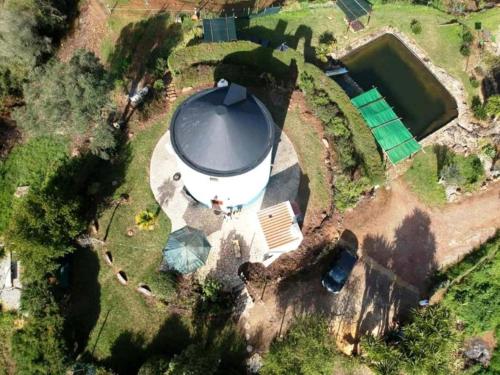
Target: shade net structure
x=354 y=9
x=187 y=250
x=219 y=29
x=390 y=132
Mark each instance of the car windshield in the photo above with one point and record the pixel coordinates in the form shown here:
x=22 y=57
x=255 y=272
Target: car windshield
x=338 y=274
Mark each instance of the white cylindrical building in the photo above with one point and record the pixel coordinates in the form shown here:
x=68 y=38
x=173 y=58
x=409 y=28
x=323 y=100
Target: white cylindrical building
x=223 y=140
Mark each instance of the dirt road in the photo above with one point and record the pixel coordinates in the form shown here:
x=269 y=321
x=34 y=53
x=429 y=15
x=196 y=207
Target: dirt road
x=400 y=242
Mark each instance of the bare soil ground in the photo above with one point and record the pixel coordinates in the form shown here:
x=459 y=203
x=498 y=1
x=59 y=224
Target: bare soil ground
x=88 y=31
x=401 y=241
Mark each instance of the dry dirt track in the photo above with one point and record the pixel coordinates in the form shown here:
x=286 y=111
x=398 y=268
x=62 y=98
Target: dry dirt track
x=400 y=241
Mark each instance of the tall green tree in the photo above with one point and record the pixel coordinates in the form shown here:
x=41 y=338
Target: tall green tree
x=69 y=99
x=39 y=348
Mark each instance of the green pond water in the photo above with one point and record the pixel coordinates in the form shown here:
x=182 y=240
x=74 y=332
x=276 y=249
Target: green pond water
x=415 y=94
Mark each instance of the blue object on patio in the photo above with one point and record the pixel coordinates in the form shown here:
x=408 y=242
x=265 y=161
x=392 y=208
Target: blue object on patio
x=186 y=250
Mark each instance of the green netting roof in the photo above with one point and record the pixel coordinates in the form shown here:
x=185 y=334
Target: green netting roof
x=381 y=118
x=391 y=135
x=389 y=131
x=219 y=29
x=403 y=151
x=366 y=97
x=354 y=9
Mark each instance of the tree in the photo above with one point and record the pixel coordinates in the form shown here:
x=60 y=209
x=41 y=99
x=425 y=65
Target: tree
x=46 y=221
x=307 y=349
x=21 y=47
x=326 y=45
x=38 y=348
x=68 y=99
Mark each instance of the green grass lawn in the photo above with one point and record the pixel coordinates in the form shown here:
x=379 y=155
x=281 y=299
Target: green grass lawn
x=422 y=177
x=301 y=29
x=124 y=328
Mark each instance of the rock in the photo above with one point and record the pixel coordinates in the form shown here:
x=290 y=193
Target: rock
x=249 y=348
x=21 y=191
x=325 y=143
x=186 y=89
x=452 y=193
x=254 y=363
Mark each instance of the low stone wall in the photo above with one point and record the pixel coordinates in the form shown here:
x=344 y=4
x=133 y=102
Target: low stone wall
x=460 y=134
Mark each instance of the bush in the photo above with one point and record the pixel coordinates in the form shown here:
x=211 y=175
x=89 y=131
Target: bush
x=427 y=345
x=478 y=109
x=347 y=192
x=308 y=348
x=416 y=26
x=465 y=49
x=156 y=365
x=162 y=284
x=194 y=360
x=474 y=82
x=492 y=107
x=158 y=85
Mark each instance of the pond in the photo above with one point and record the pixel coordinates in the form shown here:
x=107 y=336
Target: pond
x=409 y=87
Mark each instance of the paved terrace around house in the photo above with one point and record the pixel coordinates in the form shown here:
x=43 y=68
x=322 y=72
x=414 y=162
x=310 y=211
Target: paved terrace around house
x=182 y=210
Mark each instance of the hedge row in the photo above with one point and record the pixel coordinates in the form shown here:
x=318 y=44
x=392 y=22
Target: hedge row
x=183 y=63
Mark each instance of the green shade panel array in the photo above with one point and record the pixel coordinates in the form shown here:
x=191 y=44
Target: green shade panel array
x=389 y=131
x=354 y=9
x=219 y=29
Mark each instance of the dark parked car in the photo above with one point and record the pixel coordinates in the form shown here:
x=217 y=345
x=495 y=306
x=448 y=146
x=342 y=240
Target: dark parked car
x=339 y=271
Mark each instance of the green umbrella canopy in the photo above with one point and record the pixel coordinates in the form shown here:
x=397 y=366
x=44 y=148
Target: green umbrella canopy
x=186 y=250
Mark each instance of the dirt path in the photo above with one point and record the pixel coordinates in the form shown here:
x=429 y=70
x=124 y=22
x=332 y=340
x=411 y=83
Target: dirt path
x=88 y=31
x=400 y=232
x=401 y=241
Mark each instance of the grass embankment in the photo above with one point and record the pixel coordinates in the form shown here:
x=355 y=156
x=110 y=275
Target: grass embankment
x=300 y=29
x=308 y=146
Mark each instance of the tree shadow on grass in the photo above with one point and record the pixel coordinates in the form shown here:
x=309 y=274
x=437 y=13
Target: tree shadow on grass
x=130 y=350
x=139 y=46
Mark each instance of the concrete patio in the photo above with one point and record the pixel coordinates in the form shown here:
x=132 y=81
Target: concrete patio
x=183 y=210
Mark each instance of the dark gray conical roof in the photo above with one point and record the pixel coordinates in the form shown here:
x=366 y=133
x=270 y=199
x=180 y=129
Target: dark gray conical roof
x=222 y=131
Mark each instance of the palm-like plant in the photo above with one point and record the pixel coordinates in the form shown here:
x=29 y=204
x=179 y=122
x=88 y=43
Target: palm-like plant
x=145 y=220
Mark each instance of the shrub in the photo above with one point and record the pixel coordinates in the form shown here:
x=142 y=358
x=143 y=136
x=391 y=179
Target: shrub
x=162 y=284
x=427 y=345
x=154 y=366
x=467 y=37
x=492 y=107
x=478 y=109
x=347 y=192
x=416 y=26
x=465 y=49
x=158 y=85
x=194 y=360
x=308 y=348
x=474 y=82
x=471 y=169
x=145 y=220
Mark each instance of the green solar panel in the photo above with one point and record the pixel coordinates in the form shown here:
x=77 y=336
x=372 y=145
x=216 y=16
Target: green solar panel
x=219 y=29
x=403 y=151
x=354 y=9
x=366 y=97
